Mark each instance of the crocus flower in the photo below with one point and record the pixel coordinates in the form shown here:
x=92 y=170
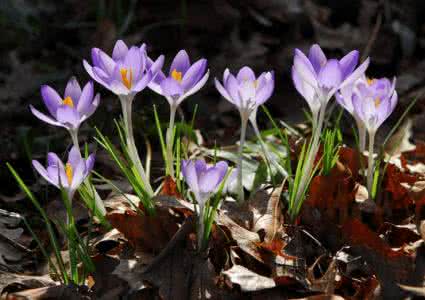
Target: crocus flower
x=373 y=101
x=68 y=176
x=183 y=80
x=370 y=101
x=126 y=72
x=203 y=180
x=247 y=93
x=317 y=78
x=72 y=109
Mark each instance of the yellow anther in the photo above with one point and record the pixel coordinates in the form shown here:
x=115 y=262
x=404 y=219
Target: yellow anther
x=177 y=75
x=255 y=83
x=68 y=102
x=69 y=172
x=125 y=80
x=377 y=101
x=370 y=81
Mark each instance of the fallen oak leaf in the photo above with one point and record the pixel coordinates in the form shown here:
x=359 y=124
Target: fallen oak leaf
x=169 y=188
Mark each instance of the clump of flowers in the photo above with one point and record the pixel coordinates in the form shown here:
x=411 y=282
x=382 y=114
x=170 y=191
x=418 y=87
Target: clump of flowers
x=317 y=79
x=125 y=74
x=204 y=181
x=370 y=101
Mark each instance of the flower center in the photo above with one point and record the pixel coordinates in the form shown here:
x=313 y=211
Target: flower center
x=69 y=172
x=370 y=81
x=177 y=75
x=125 y=80
x=68 y=102
x=377 y=102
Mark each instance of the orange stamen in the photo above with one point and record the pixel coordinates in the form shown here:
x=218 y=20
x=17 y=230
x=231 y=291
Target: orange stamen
x=68 y=102
x=177 y=75
x=377 y=101
x=69 y=172
x=370 y=81
x=125 y=80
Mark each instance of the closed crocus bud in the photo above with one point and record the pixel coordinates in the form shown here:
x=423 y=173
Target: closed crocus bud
x=68 y=176
x=246 y=91
x=72 y=109
x=182 y=80
x=125 y=73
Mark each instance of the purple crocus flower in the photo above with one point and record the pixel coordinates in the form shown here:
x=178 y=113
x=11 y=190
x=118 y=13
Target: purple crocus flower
x=373 y=101
x=126 y=72
x=317 y=78
x=68 y=176
x=70 y=110
x=183 y=80
x=246 y=91
x=202 y=179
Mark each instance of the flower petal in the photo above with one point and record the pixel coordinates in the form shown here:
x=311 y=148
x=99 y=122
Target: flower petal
x=348 y=63
x=317 y=57
x=74 y=156
x=304 y=68
x=356 y=74
x=330 y=75
x=171 y=88
x=245 y=74
x=51 y=99
x=220 y=88
x=133 y=63
x=120 y=50
x=266 y=91
x=306 y=90
x=79 y=174
x=211 y=179
x=181 y=62
x=196 y=87
x=73 y=90
x=190 y=175
x=194 y=74
x=86 y=98
x=68 y=116
x=43 y=172
x=45 y=118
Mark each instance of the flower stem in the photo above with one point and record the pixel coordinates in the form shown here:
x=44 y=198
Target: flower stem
x=278 y=167
x=126 y=103
x=170 y=142
x=362 y=136
x=370 y=164
x=309 y=163
x=244 y=123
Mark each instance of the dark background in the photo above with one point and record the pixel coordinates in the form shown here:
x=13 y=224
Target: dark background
x=45 y=41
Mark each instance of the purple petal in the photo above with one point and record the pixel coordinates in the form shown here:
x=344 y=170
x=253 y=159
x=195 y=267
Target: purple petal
x=143 y=82
x=106 y=63
x=194 y=74
x=317 y=57
x=181 y=62
x=304 y=68
x=90 y=162
x=306 y=90
x=348 y=63
x=211 y=179
x=133 y=63
x=86 y=98
x=171 y=88
x=90 y=70
x=360 y=71
x=330 y=75
x=91 y=109
x=51 y=99
x=157 y=65
x=265 y=92
x=74 y=156
x=120 y=50
x=245 y=74
x=73 y=90
x=44 y=118
x=68 y=116
x=220 y=88
x=43 y=172
x=196 y=87
x=79 y=174
x=232 y=87
x=190 y=175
